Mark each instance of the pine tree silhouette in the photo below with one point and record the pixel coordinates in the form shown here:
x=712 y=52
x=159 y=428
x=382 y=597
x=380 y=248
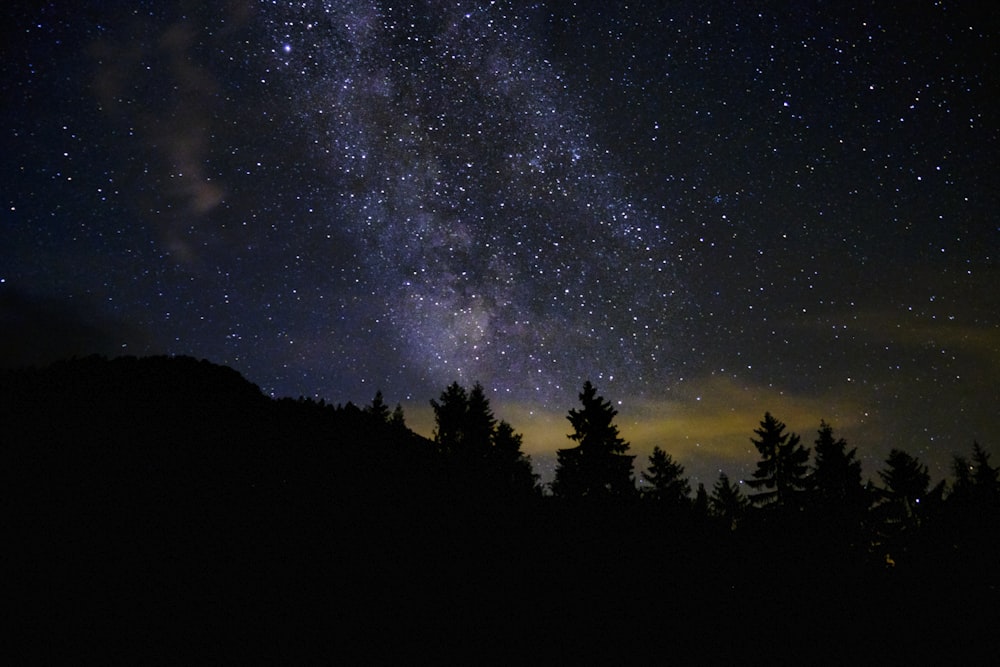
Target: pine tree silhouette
x=666 y=479
x=838 y=495
x=598 y=466
x=727 y=502
x=906 y=483
x=782 y=469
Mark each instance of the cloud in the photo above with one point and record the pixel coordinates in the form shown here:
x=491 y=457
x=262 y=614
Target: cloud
x=890 y=359
x=705 y=423
x=173 y=105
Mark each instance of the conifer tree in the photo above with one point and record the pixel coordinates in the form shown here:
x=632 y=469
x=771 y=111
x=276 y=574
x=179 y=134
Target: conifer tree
x=378 y=408
x=782 y=470
x=598 y=466
x=836 y=478
x=974 y=512
x=483 y=455
x=701 y=502
x=985 y=477
x=398 y=419
x=450 y=415
x=961 y=489
x=836 y=471
x=728 y=502
x=513 y=466
x=478 y=424
x=906 y=483
x=667 y=480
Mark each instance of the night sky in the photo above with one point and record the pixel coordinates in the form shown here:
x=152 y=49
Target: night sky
x=709 y=209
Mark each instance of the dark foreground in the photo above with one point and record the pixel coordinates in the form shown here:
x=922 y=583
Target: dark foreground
x=164 y=511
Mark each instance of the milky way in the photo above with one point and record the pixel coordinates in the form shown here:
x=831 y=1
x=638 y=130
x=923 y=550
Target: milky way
x=495 y=235
x=709 y=209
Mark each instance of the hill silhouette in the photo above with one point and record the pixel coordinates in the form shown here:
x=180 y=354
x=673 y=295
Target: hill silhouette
x=166 y=503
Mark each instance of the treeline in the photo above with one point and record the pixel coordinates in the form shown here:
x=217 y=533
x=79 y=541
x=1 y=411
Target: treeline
x=170 y=497
x=794 y=487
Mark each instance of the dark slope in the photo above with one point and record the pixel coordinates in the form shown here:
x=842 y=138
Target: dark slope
x=164 y=508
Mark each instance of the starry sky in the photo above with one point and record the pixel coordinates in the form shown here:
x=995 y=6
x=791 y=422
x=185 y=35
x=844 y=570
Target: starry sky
x=710 y=209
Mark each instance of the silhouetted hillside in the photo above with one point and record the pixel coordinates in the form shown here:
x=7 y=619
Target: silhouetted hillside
x=137 y=485
x=167 y=503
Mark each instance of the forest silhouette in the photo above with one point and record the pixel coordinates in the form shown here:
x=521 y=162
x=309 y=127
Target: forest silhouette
x=167 y=503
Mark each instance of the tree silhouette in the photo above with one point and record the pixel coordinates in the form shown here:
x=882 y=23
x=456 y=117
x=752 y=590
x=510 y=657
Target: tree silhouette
x=512 y=466
x=973 y=514
x=977 y=484
x=782 y=469
x=701 y=502
x=906 y=483
x=666 y=479
x=838 y=493
x=984 y=475
x=985 y=480
x=398 y=419
x=479 y=423
x=378 y=408
x=598 y=466
x=449 y=417
x=728 y=502
x=963 y=485
x=485 y=456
